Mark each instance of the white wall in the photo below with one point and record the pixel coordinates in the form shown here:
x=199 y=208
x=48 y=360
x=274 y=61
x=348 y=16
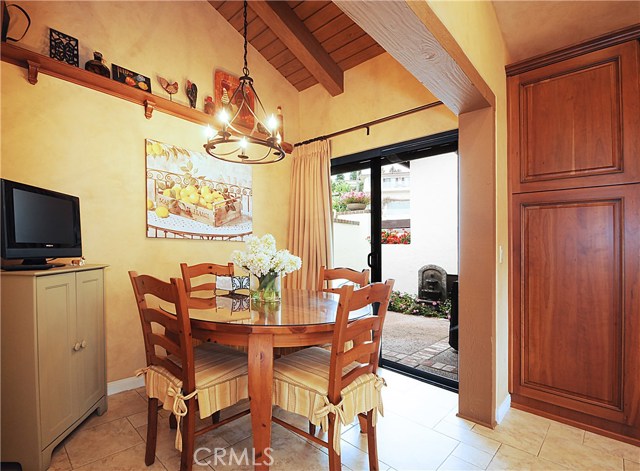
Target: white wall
x=434 y=227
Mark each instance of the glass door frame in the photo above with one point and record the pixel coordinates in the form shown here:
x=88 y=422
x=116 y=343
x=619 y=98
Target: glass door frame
x=374 y=160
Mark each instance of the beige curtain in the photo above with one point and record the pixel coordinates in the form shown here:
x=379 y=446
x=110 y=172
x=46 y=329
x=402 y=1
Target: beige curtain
x=310 y=226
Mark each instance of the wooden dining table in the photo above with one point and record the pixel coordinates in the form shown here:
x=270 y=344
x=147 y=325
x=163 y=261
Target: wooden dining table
x=300 y=318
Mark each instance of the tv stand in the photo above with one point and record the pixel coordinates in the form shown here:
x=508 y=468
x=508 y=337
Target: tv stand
x=53 y=359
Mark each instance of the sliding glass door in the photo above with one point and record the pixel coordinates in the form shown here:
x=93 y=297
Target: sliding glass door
x=396 y=212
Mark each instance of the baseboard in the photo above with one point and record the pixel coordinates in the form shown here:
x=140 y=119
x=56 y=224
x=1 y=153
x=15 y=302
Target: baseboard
x=503 y=408
x=126 y=384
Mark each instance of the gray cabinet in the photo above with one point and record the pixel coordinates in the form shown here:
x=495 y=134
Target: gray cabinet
x=53 y=359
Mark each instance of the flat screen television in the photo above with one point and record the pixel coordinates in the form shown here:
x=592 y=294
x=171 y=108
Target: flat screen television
x=37 y=225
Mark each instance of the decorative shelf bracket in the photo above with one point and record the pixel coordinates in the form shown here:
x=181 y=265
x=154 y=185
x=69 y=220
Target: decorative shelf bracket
x=149 y=106
x=32 y=72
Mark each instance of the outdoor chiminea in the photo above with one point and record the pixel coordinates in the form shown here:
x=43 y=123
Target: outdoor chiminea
x=432 y=283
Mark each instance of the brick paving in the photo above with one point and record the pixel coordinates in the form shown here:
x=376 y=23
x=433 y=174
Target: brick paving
x=438 y=358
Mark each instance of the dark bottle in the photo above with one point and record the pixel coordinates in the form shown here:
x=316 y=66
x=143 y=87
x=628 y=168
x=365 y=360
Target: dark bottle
x=96 y=65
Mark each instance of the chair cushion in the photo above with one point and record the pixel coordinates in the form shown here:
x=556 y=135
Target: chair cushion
x=301 y=386
x=220 y=374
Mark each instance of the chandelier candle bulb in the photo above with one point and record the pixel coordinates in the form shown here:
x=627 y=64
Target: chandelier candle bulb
x=231 y=144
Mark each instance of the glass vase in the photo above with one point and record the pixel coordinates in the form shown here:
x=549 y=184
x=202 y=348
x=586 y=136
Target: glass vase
x=266 y=288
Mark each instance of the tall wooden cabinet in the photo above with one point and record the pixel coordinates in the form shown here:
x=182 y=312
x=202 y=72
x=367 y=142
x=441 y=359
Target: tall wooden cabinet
x=53 y=358
x=574 y=159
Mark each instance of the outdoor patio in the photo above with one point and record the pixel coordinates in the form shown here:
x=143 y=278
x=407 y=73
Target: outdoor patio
x=419 y=342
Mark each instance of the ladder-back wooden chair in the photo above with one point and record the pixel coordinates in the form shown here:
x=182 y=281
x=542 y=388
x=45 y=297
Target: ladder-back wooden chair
x=202 y=269
x=185 y=379
x=347 y=275
x=332 y=388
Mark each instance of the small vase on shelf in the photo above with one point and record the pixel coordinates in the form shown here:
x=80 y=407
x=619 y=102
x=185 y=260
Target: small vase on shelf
x=266 y=288
x=97 y=65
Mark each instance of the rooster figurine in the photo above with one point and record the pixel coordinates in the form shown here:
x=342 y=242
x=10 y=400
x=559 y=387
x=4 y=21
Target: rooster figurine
x=170 y=88
x=192 y=93
x=209 y=107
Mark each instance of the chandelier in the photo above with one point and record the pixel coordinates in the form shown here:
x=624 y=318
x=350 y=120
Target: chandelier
x=260 y=145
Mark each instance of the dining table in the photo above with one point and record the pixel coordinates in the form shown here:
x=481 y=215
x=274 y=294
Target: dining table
x=301 y=318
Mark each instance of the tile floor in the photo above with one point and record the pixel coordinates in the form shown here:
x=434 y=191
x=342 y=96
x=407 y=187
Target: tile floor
x=419 y=431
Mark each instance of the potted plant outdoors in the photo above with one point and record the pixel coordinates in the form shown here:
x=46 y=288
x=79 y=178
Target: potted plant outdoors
x=356 y=200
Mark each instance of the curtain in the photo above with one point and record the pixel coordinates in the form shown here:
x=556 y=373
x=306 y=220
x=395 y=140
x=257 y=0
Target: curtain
x=310 y=225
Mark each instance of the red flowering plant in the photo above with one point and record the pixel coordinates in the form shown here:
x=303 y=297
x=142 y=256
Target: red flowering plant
x=355 y=197
x=396 y=237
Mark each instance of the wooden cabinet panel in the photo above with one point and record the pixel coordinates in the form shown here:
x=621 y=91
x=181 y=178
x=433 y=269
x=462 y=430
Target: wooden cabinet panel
x=576 y=263
x=575 y=123
x=56 y=308
x=90 y=377
x=571 y=123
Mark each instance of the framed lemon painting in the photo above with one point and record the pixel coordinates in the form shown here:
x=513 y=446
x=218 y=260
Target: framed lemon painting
x=191 y=195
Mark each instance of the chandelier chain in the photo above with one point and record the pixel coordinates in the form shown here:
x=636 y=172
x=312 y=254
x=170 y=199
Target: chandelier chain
x=245 y=69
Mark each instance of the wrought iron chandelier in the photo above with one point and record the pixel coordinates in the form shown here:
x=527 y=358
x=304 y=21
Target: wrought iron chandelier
x=262 y=144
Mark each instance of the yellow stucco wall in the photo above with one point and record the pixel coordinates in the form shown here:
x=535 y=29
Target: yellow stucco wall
x=475 y=28
x=377 y=88
x=72 y=139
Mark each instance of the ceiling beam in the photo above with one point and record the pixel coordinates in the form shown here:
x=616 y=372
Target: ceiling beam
x=415 y=37
x=294 y=34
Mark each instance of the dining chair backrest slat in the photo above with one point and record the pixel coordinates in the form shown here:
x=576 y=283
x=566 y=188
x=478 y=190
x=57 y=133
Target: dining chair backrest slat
x=366 y=352
x=173 y=334
x=329 y=275
x=202 y=269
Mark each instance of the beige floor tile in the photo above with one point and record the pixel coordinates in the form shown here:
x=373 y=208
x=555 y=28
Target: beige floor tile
x=138 y=419
x=510 y=459
x=558 y=431
x=472 y=455
x=425 y=406
x=404 y=444
x=452 y=418
x=131 y=459
x=518 y=429
x=578 y=456
x=290 y=452
x=468 y=437
x=120 y=405
x=91 y=444
x=356 y=459
x=397 y=381
x=235 y=431
x=59 y=459
x=631 y=466
x=453 y=463
x=613 y=447
x=165 y=445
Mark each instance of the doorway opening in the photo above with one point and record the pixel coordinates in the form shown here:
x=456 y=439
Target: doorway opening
x=395 y=211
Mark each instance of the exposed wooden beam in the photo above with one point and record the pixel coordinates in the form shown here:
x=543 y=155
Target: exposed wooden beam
x=416 y=38
x=294 y=34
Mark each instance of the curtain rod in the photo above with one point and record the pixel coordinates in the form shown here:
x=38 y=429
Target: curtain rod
x=370 y=123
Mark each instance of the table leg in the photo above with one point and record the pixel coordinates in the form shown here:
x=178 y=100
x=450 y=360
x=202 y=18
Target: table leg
x=260 y=395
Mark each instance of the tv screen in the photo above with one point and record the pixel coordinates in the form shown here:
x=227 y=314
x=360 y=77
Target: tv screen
x=38 y=224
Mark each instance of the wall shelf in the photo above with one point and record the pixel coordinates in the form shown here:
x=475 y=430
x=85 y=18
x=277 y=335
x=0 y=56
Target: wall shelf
x=37 y=63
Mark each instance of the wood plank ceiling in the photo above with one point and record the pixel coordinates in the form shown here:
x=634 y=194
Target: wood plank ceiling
x=308 y=42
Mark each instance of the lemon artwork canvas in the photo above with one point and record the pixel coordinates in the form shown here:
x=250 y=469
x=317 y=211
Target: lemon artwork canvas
x=194 y=196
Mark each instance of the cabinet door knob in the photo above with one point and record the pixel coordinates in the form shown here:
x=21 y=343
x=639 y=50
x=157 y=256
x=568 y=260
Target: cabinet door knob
x=83 y=344
x=77 y=346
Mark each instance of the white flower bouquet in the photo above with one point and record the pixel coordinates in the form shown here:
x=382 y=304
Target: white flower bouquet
x=267 y=265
